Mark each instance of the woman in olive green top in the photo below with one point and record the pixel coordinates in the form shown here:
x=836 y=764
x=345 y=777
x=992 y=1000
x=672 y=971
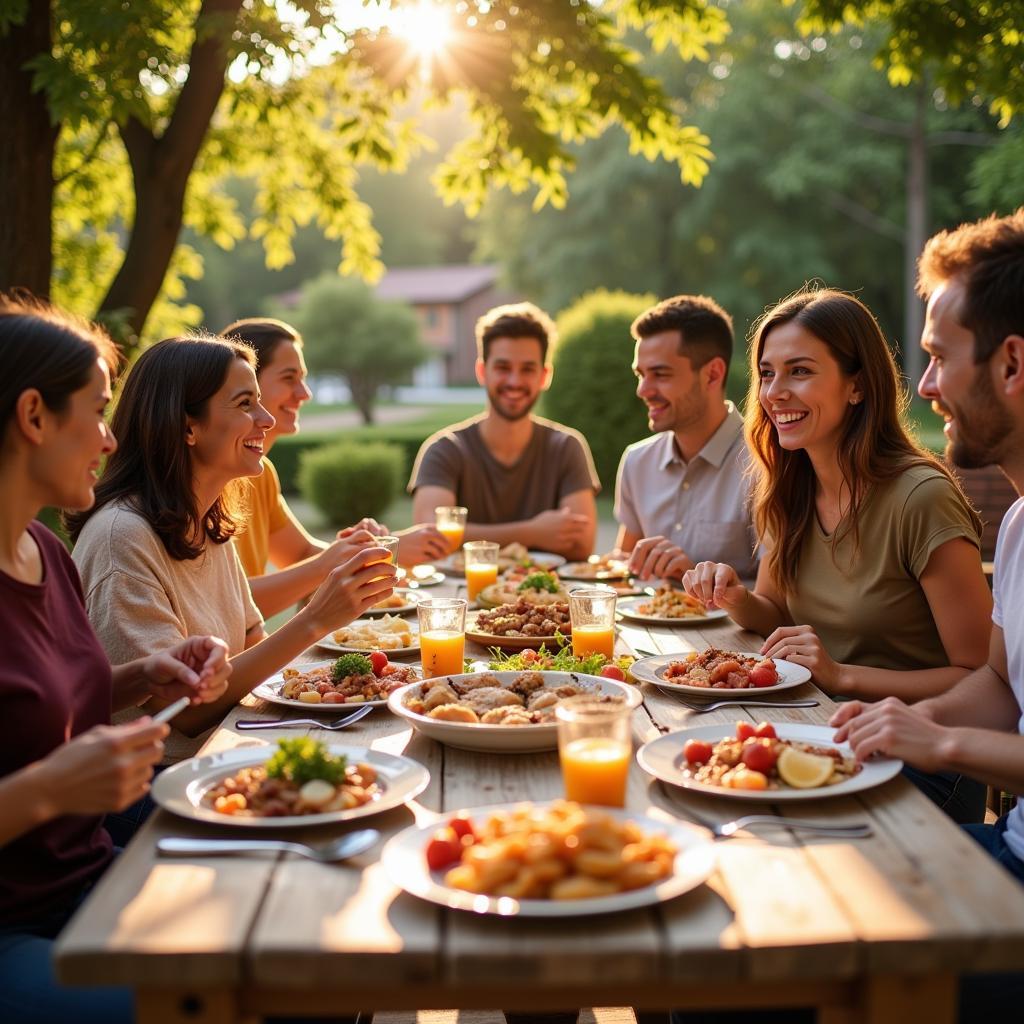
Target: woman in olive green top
x=876 y=585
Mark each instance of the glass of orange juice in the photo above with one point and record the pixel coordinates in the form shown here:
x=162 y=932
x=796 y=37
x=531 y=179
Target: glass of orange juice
x=481 y=565
x=594 y=750
x=442 y=636
x=390 y=544
x=592 y=612
x=451 y=521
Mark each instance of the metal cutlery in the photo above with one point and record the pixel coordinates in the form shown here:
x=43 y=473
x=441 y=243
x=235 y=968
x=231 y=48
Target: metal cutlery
x=701 y=709
x=730 y=828
x=332 y=725
x=340 y=849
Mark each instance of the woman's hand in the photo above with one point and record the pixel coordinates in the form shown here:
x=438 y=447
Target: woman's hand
x=105 y=769
x=197 y=668
x=365 y=525
x=802 y=646
x=894 y=729
x=715 y=584
x=350 y=589
x=419 y=544
x=658 y=558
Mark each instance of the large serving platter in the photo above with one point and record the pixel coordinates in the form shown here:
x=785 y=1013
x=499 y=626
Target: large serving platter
x=511 y=643
x=663 y=759
x=507 y=738
x=404 y=862
x=180 y=789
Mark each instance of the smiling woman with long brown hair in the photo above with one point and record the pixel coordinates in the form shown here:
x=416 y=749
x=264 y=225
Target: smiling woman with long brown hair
x=872 y=572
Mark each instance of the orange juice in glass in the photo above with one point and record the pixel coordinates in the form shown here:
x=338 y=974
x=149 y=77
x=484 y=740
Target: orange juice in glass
x=594 y=750
x=451 y=521
x=390 y=544
x=592 y=612
x=481 y=566
x=442 y=636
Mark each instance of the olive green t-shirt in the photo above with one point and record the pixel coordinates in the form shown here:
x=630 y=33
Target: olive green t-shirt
x=866 y=603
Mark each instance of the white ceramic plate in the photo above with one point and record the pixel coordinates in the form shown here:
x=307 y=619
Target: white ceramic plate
x=180 y=789
x=627 y=607
x=330 y=644
x=270 y=690
x=545 y=559
x=507 y=738
x=585 y=572
x=405 y=864
x=422 y=576
x=663 y=758
x=411 y=598
x=652 y=670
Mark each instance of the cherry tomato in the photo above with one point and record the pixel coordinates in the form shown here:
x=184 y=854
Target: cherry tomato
x=462 y=827
x=765 y=731
x=764 y=674
x=697 y=751
x=444 y=848
x=744 y=730
x=613 y=672
x=379 y=662
x=759 y=755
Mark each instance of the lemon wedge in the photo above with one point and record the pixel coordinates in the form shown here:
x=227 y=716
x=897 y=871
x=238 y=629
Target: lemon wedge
x=804 y=771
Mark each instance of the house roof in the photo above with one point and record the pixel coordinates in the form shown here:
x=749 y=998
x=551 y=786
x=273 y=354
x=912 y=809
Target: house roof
x=436 y=284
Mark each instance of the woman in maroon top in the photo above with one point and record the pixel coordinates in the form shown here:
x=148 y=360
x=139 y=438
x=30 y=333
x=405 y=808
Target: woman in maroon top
x=62 y=765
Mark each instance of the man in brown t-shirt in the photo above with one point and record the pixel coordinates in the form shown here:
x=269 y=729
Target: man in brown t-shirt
x=522 y=478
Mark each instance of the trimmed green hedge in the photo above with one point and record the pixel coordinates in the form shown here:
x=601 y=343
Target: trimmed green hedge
x=347 y=481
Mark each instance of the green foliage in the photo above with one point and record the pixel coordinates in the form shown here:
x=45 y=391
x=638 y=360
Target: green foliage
x=539 y=581
x=347 y=330
x=303 y=759
x=348 y=481
x=351 y=665
x=593 y=388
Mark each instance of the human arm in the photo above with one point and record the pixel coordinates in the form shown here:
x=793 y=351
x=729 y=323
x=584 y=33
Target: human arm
x=717 y=585
x=103 y=770
x=658 y=558
x=625 y=541
x=419 y=544
x=959 y=600
x=197 y=667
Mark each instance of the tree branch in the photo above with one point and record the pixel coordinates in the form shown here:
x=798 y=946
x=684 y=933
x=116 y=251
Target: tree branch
x=863 y=216
x=881 y=125
x=952 y=138
x=90 y=156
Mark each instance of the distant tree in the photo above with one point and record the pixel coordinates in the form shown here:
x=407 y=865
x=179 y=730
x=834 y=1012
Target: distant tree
x=349 y=331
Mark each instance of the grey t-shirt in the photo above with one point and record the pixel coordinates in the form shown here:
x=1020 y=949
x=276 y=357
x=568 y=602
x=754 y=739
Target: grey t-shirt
x=555 y=464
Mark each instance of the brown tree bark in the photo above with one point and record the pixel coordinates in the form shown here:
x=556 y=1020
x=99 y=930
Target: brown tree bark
x=161 y=168
x=26 y=158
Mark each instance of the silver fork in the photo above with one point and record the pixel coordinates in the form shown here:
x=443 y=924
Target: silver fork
x=730 y=828
x=332 y=725
x=701 y=709
x=339 y=849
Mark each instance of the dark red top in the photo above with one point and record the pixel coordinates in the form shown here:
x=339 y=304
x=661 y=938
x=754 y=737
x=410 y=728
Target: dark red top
x=54 y=684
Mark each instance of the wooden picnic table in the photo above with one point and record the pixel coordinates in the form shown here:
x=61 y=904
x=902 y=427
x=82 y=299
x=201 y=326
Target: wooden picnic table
x=874 y=930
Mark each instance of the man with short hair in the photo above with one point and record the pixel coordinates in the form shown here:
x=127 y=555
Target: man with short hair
x=682 y=496
x=524 y=479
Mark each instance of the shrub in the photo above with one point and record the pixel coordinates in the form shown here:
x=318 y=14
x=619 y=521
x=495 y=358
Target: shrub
x=348 y=481
x=593 y=388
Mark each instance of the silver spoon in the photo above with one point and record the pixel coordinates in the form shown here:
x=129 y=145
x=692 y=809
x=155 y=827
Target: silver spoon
x=340 y=849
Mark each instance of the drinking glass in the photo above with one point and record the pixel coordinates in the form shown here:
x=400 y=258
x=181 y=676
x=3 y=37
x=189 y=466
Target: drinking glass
x=594 y=750
x=451 y=521
x=442 y=636
x=481 y=565
x=592 y=612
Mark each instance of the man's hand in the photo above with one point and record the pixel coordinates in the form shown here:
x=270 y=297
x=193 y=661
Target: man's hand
x=560 y=528
x=419 y=544
x=658 y=558
x=197 y=668
x=802 y=646
x=894 y=729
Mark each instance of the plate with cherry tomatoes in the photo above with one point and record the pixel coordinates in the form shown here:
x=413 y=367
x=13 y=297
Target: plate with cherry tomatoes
x=770 y=761
x=762 y=675
x=316 y=686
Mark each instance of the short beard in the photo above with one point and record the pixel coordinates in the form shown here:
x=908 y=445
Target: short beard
x=981 y=442
x=496 y=406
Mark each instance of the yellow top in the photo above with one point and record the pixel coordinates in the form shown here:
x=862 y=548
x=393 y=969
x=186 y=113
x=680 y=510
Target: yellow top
x=268 y=513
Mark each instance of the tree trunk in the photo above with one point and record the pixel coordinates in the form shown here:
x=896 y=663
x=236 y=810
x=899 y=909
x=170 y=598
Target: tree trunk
x=161 y=169
x=916 y=235
x=363 y=395
x=26 y=158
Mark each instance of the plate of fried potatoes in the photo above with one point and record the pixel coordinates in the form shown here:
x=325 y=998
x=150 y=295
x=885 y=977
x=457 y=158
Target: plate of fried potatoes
x=557 y=859
x=388 y=633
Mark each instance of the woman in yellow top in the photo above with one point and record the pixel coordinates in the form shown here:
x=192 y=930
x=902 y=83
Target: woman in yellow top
x=872 y=573
x=273 y=533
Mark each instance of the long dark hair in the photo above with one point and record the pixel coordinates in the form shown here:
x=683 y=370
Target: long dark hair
x=151 y=469
x=875 y=445
x=264 y=335
x=45 y=348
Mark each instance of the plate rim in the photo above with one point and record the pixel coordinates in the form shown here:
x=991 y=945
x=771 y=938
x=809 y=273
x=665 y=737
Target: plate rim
x=712 y=615
x=328 y=644
x=244 y=756
x=722 y=694
x=886 y=768
x=335 y=709
x=694 y=864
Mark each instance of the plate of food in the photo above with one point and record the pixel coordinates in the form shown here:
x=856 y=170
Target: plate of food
x=298 y=782
x=771 y=762
x=717 y=673
x=596 y=569
x=336 y=685
x=471 y=861
x=387 y=633
x=520 y=625
x=500 y=711
x=401 y=601
x=508 y=556
x=422 y=576
x=669 y=605
x=535 y=586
